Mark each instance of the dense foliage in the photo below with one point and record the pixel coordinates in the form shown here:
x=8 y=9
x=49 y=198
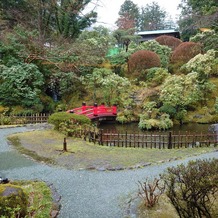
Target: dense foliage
x=105 y=84
x=208 y=39
x=196 y=14
x=153 y=118
x=49 y=18
x=62 y=117
x=20 y=85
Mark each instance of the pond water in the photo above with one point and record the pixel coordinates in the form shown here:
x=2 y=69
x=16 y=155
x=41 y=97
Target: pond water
x=133 y=127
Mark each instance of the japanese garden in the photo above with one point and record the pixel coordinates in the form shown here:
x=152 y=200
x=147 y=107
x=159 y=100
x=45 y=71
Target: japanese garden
x=60 y=68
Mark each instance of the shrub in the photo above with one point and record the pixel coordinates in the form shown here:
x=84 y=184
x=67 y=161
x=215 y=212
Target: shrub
x=169 y=109
x=216 y=105
x=13 y=201
x=156 y=75
x=63 y=117
x=162 y=51
x=208 y=39
x=193 y=189
x=126 y=116
x=150 y=192
x=169 y=41
x=184 y=52
x=163 y=122
x=203 y=64
x=5 y=120
x=142 y=60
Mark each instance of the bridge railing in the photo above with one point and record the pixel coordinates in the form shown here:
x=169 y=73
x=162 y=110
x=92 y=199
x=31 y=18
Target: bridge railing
x=92 y=111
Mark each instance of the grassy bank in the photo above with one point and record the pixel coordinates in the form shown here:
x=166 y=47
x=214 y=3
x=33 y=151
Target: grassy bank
x=46 y=146
x=39 y=199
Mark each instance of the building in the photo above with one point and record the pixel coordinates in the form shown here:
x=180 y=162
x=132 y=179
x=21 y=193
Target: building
x=149 y=35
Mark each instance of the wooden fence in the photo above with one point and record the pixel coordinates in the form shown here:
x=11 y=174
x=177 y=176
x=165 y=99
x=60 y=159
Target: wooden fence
x=24 y=119
x=159 y=140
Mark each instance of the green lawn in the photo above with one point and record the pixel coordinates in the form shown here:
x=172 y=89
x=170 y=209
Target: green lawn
x=47 y=146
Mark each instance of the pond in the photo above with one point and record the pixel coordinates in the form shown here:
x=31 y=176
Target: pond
x=133 y=127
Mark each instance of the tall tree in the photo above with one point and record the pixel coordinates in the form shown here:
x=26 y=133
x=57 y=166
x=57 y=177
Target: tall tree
x=124 y=37
x=152 y=17
x=59 y=17
x=129 y=16
x=196 y=14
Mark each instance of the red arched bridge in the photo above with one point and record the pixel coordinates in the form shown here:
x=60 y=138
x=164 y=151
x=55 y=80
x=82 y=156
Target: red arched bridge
x=96 y=112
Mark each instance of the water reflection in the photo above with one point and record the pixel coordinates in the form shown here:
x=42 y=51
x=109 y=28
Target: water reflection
x=133 y=127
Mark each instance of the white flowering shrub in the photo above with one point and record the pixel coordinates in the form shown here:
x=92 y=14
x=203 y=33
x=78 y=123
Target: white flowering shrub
x=105 y=84
x=180 y=90
x=216 y=105
x=152 y=118
x=204 y=64
x=156 y=75
x=208 y=39
x=163 y=122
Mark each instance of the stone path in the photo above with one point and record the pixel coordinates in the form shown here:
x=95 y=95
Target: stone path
x=85 y=194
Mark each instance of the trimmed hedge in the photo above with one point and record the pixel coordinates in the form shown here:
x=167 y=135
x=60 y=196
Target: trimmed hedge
x=185 y=52
x=169 y=41
x=63 y=117
x=142 y=60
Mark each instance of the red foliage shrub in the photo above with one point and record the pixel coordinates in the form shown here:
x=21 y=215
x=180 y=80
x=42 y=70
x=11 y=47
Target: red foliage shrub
x=142 y=60
x=184 y=52
x=169 y=41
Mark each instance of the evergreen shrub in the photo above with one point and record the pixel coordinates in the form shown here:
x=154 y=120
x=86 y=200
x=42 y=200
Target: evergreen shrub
x=142 y=60
x=156 y=75
x=69 y=118
x=169 y=41
x=183 y=53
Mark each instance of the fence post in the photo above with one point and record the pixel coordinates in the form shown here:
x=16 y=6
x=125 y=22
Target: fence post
x=114 y=109
x=170 y=140
x=83 y=106
x=101 y=137
x=95 y=109
x=126 y=139
x=65 y=145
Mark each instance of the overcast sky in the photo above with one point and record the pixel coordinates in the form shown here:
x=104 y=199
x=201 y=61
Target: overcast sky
x=108 y=9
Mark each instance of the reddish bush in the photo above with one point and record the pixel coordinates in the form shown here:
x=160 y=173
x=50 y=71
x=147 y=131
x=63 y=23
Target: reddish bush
x=184 y=52
x=169 y=41
x=142 y=60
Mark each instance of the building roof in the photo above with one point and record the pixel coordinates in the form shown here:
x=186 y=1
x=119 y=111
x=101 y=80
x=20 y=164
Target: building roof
x=156 y=32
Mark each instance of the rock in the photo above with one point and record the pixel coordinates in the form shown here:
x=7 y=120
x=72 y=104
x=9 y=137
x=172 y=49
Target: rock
x=146 y=164
x=111 y=168
x=119 y=168
x=54 y=213
x=56 y=201
x=91 y=167
x=4 y=181
x=101 y=168
x=11 y=198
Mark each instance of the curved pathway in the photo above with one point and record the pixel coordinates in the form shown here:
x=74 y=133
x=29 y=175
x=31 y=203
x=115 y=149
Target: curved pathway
x=85 y=194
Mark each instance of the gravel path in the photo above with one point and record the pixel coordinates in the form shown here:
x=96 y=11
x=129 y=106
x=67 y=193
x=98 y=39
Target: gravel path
x=85 y=194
